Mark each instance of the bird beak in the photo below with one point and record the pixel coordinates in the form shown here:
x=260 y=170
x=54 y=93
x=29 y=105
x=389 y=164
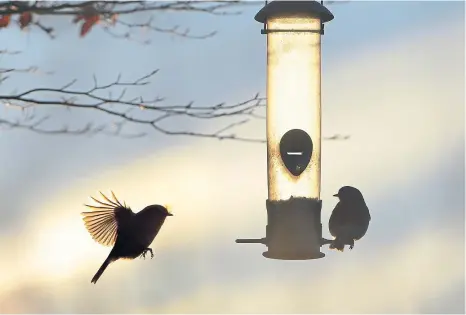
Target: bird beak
x=168 y=210
x=336 y=195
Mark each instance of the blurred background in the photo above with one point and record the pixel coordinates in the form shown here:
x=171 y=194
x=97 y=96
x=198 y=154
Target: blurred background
x=393 y=79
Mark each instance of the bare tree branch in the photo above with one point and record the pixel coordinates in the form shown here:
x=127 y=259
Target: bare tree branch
x=117 y=7
x=8 y=52
x=125 y=109
x=110 y=14
x=89 y=129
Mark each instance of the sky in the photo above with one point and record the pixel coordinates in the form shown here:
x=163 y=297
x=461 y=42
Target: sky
x=392 y=78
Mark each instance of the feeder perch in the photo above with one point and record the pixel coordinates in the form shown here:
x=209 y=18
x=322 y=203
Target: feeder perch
x=293 y=30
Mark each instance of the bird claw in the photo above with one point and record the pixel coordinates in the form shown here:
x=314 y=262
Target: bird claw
x=351 y=247
x=145 y=252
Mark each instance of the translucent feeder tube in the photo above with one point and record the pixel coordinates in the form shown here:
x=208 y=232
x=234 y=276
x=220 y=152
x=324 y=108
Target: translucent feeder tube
x=293 y=102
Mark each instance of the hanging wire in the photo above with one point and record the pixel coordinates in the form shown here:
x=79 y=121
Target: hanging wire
x=265 y=22
x=321 y=23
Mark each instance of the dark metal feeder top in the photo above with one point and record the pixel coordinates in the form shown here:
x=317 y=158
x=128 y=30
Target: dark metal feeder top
x=307 y=8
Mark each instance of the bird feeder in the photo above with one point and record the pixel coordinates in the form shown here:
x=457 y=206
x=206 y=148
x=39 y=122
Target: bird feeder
x=293 y=29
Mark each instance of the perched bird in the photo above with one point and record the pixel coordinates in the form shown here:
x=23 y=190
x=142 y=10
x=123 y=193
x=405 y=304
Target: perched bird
x=130 y=233
x=350 y=218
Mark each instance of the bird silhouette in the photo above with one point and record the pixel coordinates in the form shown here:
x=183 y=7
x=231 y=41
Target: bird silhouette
x=350 y=218
x=113 y=223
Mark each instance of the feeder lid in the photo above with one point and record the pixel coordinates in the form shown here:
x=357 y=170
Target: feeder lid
x=308 y=8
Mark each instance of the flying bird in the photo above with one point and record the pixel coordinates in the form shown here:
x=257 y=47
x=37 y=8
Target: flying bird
x=350 y=218
x=115 y=224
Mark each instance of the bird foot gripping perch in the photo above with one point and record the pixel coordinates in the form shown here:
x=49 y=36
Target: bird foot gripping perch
x=325 y=241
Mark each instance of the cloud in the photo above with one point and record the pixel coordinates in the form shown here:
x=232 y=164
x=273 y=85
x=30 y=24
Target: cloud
x=397 y=279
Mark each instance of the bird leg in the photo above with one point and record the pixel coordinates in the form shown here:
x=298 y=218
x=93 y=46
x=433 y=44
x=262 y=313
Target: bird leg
x=144 y=252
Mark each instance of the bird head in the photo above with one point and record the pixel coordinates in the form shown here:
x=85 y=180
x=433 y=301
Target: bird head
x=346 y=193
x=159 y=210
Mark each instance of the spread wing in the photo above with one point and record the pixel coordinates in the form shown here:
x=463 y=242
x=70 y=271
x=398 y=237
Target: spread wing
x=103 y=221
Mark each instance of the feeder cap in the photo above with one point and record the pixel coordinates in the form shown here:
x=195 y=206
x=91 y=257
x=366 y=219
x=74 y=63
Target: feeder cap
x=307 y=8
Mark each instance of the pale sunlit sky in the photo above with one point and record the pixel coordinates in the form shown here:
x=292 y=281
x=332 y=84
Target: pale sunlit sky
x=393 y=78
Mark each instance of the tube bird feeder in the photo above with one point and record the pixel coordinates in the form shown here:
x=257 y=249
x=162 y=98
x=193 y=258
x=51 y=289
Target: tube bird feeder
x=293 y=30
